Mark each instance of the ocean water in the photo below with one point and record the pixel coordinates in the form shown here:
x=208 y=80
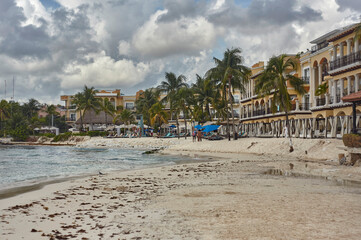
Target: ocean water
x=25 y=165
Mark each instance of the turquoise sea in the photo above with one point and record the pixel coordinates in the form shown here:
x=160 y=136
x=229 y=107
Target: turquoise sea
x=26 y=165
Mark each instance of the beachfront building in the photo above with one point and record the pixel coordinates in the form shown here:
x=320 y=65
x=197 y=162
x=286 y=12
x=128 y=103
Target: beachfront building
x=257 y=117
x=119 y=101
x=330 y=70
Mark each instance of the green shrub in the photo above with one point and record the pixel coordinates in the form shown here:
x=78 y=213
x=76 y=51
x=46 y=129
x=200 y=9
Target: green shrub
x=96 y=133
x=80 y=134
x=62 y=137
x=20 y=133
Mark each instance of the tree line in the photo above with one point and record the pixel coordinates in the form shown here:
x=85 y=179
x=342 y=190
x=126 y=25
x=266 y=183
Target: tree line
x=215 y=91
x=19 y=120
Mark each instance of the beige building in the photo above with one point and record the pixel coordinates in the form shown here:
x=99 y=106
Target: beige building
x=334 y=60
x=119 y=101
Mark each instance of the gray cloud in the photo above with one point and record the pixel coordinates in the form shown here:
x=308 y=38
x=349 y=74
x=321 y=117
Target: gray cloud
x=354 y=5
x=263 y=14
x=17 y=41
x=78 y=43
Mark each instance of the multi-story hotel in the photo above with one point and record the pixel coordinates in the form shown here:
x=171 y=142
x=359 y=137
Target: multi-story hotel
x=114 y=96
x=335 y=61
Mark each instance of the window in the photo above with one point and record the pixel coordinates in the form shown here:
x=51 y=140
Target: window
x=236 y=98
x=129 y=106
x=72 y=116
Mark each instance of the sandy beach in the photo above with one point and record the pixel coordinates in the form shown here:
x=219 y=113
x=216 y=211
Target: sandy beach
x=247 y=189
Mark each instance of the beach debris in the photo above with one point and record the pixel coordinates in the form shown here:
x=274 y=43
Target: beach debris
x=252 y=144
x=291 y=166
x=153 y=151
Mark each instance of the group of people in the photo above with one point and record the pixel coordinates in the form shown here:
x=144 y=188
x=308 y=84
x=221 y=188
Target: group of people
x=197 y=135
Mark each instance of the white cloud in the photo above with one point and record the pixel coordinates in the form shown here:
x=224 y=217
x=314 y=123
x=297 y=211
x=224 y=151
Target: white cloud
x=159 y=39
x=124 y=48
x=33 y=11
x=103 y=71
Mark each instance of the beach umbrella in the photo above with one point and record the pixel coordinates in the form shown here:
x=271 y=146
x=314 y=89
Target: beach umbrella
x=198 y=127
x=210 y=128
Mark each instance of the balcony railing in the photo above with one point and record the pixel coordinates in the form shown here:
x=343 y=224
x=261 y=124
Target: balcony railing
x=306 y=80
x=319 y=47
x=259 y=112
x=345 y=60
x=305 y=106
x=70 y=119
x=338 y=98
x=320 y=101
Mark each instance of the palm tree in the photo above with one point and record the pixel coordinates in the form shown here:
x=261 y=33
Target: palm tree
x=322 y=89
x=145 y=102
x=31 y=108
x=158 y=114
x=273 y=81
x=78 y=101
x=4 y=113
x=229 y=74
x=184 y=100
x=171 y=87
x=51 y=110
x=86 y=101
x=205 y=92
x=108 y=109
x=125 y=116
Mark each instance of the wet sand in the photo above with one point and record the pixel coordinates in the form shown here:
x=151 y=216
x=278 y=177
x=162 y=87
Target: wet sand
x=230 y=198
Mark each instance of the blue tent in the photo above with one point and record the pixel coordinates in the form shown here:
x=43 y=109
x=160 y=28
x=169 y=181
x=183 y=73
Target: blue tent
x=210 y=128
x=198 y=127
x=172 y=126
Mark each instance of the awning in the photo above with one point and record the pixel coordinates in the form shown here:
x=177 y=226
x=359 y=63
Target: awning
x=210 y=128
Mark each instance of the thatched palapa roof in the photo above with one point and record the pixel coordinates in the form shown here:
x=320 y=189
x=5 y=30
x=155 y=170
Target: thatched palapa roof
x=91 y=117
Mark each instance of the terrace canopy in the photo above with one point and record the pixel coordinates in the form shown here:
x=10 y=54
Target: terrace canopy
x=210 y=128
x=355 y=99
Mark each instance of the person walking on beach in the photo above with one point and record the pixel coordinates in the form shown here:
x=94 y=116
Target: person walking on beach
x=194 y=134
x=199 y=135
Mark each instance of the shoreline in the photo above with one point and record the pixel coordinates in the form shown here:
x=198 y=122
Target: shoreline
x=26 y=187
x=223 y=194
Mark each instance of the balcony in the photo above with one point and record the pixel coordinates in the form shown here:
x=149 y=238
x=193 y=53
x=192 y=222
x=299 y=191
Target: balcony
x=345 y=60
x=320 y=102
x=319 y=47
x=305 y=106
x=306 y=80
x=70 y=119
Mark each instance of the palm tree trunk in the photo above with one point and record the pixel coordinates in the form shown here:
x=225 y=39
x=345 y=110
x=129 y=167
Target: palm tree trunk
x=81 y=121
x=185 y=124
x=231 y=103
x=289 y=131
x=106 y=120
x=228 y=132
x=176 y=119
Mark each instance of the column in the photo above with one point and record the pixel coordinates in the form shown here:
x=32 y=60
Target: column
x=348 y=85
x=319 y=74
x=341 y=88
x=357 y=82
x=349 y=46
x=341 y=49
x=312 y=87
x=356 y=46
x=297 y=105
x=331 y=90
x=334 y=53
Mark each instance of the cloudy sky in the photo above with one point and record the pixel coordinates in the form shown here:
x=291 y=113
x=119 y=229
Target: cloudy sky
x=55 y=47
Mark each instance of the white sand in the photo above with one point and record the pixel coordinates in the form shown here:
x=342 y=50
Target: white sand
x=225 y=199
